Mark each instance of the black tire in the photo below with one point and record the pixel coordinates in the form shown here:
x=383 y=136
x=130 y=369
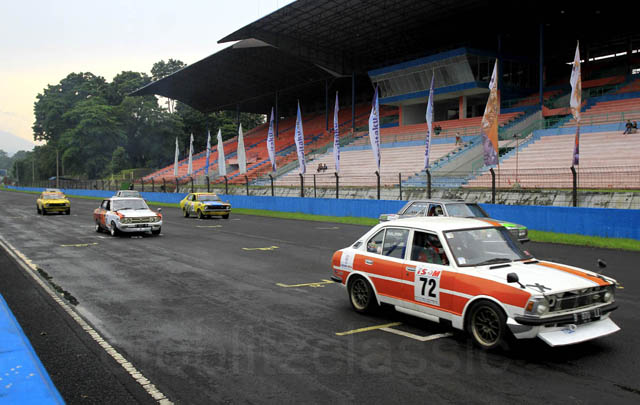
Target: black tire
x=114 y=229
x=200 y=215
x=361 y=295
x=44 y=212
x=98 y=227
x=185 y=213
x=225 y=216
x=68 y=211
x=38 y=209
x=487 y=325
x=156 y=232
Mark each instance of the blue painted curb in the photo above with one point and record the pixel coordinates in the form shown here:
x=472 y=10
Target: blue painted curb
x=23 y=378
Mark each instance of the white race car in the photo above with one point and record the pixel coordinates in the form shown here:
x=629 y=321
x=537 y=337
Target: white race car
x=475 y=275
x=126 y=214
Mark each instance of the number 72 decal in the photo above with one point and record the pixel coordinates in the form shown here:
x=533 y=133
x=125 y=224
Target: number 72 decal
x=427 y=285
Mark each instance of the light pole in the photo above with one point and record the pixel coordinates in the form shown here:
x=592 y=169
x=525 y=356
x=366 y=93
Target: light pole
x=57 y=169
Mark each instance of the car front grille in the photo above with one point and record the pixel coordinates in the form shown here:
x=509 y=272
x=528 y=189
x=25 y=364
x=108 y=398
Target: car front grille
x=141 y=220
x=578 y=299
x=216 y=207
x=57 y=205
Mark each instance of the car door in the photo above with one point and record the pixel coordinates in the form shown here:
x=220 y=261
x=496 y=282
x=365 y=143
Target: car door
x=192 y=204
x=383 y=261
x=428 y=273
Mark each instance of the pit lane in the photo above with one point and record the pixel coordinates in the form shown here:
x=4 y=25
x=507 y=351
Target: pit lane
x=238 y=311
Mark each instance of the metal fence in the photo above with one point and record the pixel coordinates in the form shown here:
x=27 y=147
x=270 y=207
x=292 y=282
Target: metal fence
x=595 y=186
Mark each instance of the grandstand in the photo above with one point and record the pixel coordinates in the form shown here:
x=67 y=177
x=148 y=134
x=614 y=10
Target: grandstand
x=305 y=52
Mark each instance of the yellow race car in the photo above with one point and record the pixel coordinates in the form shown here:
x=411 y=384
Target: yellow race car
x=204 y=205
x=52 y=201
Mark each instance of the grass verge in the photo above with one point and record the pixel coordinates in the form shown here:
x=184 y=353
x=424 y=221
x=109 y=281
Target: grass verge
x=535 y=236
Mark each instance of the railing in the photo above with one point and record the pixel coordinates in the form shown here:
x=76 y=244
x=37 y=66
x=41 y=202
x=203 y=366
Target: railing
x=544 y=185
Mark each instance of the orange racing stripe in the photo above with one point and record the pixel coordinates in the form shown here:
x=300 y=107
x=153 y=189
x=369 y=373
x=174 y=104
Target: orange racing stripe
x=490 y=221
x=579 y=273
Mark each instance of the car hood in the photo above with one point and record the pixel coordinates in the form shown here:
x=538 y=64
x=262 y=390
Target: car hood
x=137 y=213
x=510 y=225
x=546 y=277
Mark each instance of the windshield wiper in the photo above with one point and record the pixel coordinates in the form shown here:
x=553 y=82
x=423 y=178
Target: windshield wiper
x=495 y=260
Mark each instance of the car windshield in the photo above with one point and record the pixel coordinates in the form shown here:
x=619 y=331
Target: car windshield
x=52 y=196
x=484 y=246
x=132 y=204
x=129 y=193
x=208 y=197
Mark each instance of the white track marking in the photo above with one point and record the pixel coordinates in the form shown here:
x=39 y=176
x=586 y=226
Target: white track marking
x=417 y=337
x=30 y=268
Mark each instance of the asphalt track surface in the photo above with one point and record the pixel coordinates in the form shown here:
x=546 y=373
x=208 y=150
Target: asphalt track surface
x=221 y=311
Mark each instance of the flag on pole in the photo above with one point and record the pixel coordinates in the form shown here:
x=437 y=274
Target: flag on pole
x=206 y=169
x=190 y=167
x=489 y=127
x=374 y=128
x=175 y=160
x=271 y=144
x=242 y=157
x=576 y=101
x=427 y=147
x=299 y=138
x=222 y=166
x=336 y=135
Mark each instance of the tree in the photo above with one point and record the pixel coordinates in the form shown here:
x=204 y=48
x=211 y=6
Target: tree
x=162 y=69
x=119 y=160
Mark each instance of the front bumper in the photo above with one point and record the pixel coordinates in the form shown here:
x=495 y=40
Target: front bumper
x=216 y=212
x=566 y=329
x=144 y=227
x=573 y=318
x=57 y=208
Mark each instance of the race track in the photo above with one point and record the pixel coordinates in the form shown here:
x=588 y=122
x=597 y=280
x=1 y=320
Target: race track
x=240 y=310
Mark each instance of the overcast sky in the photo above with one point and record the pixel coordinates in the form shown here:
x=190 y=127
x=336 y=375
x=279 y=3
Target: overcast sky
x=44 y=40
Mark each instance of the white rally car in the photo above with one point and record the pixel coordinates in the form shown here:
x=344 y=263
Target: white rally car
x=475 y=275
x=126 y=214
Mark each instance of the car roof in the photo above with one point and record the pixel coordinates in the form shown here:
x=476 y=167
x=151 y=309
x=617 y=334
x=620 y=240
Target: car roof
x=442 y=223
x=438 y=200
x=204 y=193
x=124 y=198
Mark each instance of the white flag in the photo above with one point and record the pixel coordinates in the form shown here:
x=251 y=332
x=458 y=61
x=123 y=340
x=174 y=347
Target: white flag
x=222 y=166
x=190 y=167
x=242 y=157
x=427 y=148
x=175 y=160
x=576 y=102
x=206 y=170
x=576 y=86
x=336 y=135
x=271 y=144
x=374 y=128
x=299 y=138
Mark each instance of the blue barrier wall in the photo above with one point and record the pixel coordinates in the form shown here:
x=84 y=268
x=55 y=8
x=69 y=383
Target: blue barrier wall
x=605 y=222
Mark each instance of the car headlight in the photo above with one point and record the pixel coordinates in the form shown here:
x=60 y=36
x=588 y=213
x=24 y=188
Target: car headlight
x=537 y=306
x=610 y=294
x=125 y=220
x=522 y=233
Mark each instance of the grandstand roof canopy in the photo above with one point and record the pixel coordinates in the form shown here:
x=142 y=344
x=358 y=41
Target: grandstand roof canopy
x=309 y=41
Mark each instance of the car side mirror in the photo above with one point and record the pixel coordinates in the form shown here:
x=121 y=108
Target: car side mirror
x=160 y=209
x=513 y=278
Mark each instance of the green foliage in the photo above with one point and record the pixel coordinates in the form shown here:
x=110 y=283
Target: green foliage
x=99 y=129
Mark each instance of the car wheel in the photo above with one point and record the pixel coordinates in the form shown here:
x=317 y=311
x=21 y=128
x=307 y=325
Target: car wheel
x=43 y=211
x=68 y=211
x=200 y=214
x=185 y=213
x=361 y=295
x=98 y=228
x=114 y=230
x=487 y=325
x=225 y=216
x=38 y=209
x=157 y=232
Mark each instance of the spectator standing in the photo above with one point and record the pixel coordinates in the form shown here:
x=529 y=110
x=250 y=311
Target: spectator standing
x=458 y=139
x=628 y=127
